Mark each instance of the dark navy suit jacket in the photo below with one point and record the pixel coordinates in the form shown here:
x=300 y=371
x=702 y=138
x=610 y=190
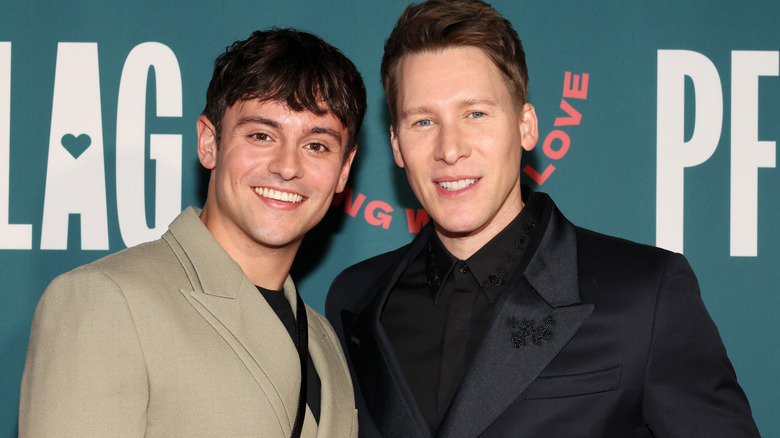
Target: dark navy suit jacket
x=632 y=351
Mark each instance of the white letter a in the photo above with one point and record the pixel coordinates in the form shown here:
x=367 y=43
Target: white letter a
x=75 y=173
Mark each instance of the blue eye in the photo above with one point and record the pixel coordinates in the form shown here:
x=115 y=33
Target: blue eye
x=476 y=114
x=425 y=122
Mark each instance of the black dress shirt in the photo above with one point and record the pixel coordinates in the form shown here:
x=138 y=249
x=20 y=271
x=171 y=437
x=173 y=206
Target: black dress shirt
x=283 y=310
x=441 y=307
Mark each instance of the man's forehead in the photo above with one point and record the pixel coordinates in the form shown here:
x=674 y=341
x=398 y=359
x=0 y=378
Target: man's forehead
x=420 y=72
x=282 y=107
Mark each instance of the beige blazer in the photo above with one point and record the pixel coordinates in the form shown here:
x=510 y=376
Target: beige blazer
x=171 y=339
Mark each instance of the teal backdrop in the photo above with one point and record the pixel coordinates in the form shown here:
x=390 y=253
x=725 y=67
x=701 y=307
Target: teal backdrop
x=658 y=124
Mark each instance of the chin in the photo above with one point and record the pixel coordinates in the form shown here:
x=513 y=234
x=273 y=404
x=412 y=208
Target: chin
x=275 y=238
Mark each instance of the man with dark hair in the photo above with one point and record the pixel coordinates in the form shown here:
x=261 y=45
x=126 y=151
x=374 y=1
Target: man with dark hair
x=202 y=333
x=502 y=318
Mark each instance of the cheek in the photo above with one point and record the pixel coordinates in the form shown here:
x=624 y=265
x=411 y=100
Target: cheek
x=420 y=185
x=509 y=144
x=242 y=163
x=326 y=176
x=416 y=158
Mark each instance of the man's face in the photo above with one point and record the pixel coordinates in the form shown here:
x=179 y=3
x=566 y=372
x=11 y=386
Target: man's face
x=460 y=138
x=274 y=174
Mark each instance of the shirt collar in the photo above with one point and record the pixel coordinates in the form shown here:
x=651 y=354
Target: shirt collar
x=492 y=264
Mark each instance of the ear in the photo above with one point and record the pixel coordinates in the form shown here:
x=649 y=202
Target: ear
x=529 y=127
x=207 y=143
x=345 y=167
x=399 y=158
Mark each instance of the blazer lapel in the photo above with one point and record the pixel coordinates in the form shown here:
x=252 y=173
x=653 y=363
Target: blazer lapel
x=337 y=407
x=252 y=329
x=378 y=373
x=538 y=312
x=231 y=304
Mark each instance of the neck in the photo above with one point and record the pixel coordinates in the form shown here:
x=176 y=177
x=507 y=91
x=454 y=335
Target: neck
x=265 y=266
x=267 y=271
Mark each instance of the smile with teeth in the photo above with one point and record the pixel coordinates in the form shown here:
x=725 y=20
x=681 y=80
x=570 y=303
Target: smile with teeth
x=279 y=196
x=457 y=185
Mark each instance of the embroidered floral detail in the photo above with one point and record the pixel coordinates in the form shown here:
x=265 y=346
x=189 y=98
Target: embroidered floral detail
x=518 y=339
x=530 y=226
x=434 y=279
x=493 y=280
x=527 y=328
x=501 y=272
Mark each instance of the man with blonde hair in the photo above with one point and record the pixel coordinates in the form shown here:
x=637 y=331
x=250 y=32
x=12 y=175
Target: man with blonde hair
x=502 y=318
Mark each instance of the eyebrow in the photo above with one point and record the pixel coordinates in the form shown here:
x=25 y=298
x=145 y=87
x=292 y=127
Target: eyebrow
x=470 y=102
x=416 y=111
x=327 y=131
x=276 y=125
x=463 y=103
x=258 y=121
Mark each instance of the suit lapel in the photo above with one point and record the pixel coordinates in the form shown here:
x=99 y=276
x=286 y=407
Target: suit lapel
x=507 y=361
x=538 y=312
x=378 y=373
x=337 y=405
x=231 y=304
x=252 y=329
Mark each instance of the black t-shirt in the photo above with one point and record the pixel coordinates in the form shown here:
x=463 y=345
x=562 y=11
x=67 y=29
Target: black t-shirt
x=283 y=310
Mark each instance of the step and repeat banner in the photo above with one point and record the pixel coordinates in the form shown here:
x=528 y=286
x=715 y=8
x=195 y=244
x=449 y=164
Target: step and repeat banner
x=658 y=121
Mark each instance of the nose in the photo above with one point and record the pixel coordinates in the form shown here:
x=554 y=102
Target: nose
x=286 y=162
x=451 y=145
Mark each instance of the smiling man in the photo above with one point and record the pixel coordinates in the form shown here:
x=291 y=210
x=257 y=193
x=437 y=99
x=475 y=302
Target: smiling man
x=501 y=318
x=202 y=333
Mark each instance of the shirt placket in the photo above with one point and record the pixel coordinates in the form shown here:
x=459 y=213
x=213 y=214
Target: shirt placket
x=462 y=293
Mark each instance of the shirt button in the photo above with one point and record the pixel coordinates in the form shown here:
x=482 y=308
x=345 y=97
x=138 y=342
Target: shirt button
x=464 y=268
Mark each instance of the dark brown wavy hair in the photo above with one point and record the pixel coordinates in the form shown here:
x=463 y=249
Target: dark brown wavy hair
x=289 y=66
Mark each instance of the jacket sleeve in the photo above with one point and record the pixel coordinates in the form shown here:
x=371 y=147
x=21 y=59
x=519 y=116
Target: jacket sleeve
x=85 y=374
x=691 y=389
